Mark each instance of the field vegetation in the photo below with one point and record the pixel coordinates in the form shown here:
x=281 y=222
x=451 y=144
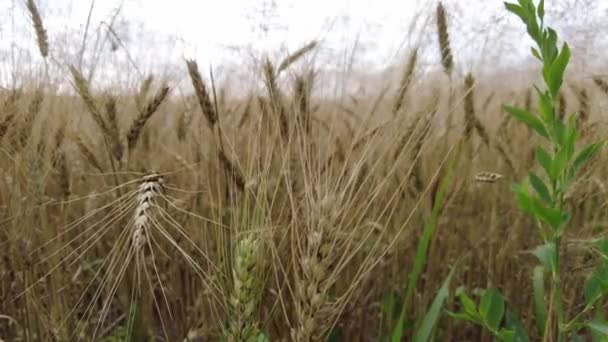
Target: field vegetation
x=181 y=212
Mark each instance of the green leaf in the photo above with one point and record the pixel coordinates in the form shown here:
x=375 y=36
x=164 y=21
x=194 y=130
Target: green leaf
x=551 y=216
x=540 y=188
x=583 y=156
x=544 y=160
x=577 y=338
x=525 y=201
x=491 y=308
x=602 y=245
x=600 y=318
x=601 y=328
x=427 y=234
x=547 y=255
x=463 y=316
x=470 y=308
x=596 y=286
x=546 y=108
x=262 y=338
x=541 y=9
x=517 y=10
x=538 y=281
x=529 y=119
x=557 y=69
x=536 y=54
x=425 y=330
x=560 y=163
x=514 y=323
x=506 y=335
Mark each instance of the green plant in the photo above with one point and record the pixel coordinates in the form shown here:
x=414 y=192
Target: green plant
x=424 y=328
x=543 y=197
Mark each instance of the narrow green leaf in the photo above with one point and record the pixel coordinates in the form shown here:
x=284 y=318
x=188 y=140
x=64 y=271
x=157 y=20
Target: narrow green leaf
x=547 y=255
x=538 y=282
x=525 y=201
x=601 y=328
x=583 y=156
x=557 y=69
x=602 y=245
x=540 y=188
x=469 y=306
x=596 y=286
x=544 y=160
x=517 y=10
x=514 y=323
x=423 y=333
x=506 y=335
x=423 y=245
x=551 y=216
x=529 y=119
x=600 y=318
x=536 y=54
x=546 y=108
x=491 y=308
x=560 y=163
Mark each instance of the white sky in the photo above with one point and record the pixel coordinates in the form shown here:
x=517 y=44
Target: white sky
x=159 y=33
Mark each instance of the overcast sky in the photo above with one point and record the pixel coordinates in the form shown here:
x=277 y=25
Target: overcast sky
x=162 y=32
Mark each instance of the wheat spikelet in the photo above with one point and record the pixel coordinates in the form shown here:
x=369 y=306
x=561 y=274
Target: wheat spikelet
x=201 y=92
x=270 y=79
x=469 y=106
x=149 y=110
x=61 y=163
x=25 y=128
x=246 y=112
x=88 y=154
x=41 y=35
x=289 y=60
x=182 y=125
x=82 y=87
x=583 y=110
x=488 y=177
x=406 y=80
x=245 y=292
x=314 y=277
x=600 y=83
x=232 y=171
x=528 y=100
x=302 y=100
x=150 y=187
x=9 y=110
x=144 y=90
x=447 y=60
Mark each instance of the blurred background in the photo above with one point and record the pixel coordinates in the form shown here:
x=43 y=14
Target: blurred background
x=360 y=37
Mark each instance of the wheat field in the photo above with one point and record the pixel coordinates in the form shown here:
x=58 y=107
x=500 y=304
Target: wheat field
x=180 y=212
